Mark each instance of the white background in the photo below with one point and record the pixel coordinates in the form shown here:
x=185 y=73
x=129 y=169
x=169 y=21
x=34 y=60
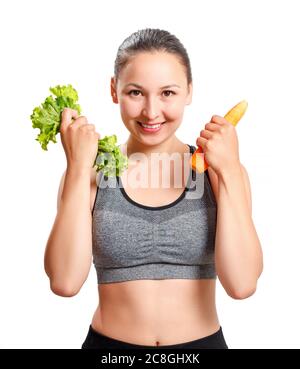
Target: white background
x=238 y=50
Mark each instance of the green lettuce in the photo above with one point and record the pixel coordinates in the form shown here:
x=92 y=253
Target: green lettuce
x=110 y=158
x=47 y=119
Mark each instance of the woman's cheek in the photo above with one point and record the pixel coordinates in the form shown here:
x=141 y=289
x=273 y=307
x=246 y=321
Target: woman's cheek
x=130 y=110
x=174 y=113
x=171 y=111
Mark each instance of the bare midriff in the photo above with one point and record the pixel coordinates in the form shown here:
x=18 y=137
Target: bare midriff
x=157 y=312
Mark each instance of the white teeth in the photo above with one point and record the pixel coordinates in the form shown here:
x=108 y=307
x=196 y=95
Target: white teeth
x=152 y=126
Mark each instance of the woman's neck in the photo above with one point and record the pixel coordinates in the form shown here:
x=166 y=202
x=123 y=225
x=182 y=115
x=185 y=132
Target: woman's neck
x=153 y=165
x=169 y=146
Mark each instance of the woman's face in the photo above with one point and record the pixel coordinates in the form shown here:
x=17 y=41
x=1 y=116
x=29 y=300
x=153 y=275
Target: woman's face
x=143 y=96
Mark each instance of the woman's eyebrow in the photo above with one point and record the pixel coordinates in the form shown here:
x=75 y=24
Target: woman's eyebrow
x=138 y=86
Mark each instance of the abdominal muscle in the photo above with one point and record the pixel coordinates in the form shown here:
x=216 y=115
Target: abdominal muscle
x=157 y=312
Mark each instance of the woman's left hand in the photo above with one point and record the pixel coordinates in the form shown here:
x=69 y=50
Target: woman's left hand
x=219 y=142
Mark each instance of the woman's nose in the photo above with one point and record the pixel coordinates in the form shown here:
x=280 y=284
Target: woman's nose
x=151 y=109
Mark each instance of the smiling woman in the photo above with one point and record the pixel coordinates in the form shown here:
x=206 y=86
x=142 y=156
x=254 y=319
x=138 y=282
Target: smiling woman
x=154 y=248
x=156 y=278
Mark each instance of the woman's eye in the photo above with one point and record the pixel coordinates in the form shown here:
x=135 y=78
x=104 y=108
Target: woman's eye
x=172 y=93
x=129 y=93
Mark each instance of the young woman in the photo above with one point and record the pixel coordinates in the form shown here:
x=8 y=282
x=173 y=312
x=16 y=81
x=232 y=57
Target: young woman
x=157 y=249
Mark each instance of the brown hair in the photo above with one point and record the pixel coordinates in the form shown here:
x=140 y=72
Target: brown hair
x=151 y=40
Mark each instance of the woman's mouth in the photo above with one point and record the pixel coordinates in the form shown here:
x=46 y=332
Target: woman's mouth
x=150 y=127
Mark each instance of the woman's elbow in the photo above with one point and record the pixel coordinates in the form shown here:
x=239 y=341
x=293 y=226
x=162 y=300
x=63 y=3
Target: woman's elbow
x=242 y=293
x=64 y=289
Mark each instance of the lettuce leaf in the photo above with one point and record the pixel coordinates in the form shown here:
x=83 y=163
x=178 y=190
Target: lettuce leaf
x=110 y=158
x=47 y=119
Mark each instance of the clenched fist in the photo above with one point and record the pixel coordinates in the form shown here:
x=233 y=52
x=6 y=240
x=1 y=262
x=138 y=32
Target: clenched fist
x=79 y=139
x=219 y=143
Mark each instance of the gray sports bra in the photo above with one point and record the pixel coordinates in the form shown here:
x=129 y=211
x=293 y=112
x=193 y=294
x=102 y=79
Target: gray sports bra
x=133 y=241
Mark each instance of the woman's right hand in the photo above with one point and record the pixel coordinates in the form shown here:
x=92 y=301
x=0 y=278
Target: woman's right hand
x=79 y=139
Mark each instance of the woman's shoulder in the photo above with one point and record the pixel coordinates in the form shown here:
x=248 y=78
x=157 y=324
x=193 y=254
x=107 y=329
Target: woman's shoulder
x=213 y=177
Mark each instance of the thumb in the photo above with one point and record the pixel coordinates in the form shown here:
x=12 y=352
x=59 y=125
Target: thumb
x=66 y=117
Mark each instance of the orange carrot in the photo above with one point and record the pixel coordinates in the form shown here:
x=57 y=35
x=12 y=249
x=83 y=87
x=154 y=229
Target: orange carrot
x=197 y=160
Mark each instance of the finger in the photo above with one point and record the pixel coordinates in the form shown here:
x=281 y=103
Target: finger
x=87 y=126
x=66 y=117
x=218 y=120
x=92 y=126
x=212 y=126
x=80 y=121
x=206 y=134
x=201 y=141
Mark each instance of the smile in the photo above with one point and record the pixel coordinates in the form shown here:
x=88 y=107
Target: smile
x=150 y=127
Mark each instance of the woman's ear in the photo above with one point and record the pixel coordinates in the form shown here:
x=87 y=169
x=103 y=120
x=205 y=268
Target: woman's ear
x=190 y=94
x=113 y=90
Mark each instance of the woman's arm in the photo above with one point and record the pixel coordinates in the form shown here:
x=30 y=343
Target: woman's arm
x=68 y=251
x=238 y=253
